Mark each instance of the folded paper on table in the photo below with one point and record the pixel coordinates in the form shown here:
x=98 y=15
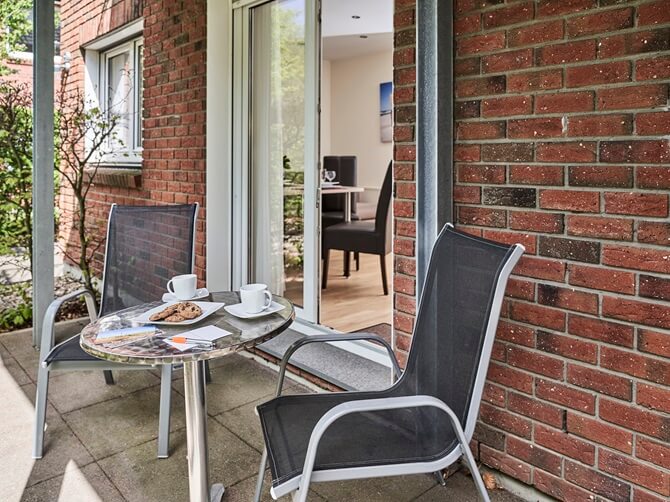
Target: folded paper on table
x=125 y=334
x=206 y=334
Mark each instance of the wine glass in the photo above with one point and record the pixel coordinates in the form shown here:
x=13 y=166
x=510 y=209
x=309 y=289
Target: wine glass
x=330 y=176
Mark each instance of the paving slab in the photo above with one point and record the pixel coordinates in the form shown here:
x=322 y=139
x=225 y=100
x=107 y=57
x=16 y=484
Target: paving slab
x=244 y=422
x=12 y=367
x=461 y=487
x=245 y=490
x=396 y=488
x=85 y=484
x=115 y=425
x=236 y=381
x=140 y=476
x=16 y=430
x=72 y=390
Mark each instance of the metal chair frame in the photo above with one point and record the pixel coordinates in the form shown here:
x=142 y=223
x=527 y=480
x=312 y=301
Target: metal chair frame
x=47 y=345
x=299 y=485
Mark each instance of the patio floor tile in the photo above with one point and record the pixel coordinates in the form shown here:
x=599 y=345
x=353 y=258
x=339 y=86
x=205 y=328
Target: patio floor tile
x=21 y=349
x=397 y=488
x=244 y=422
x=13 y=368
x=462 y=485
x=60 y=444
x=244 y=492
x=235 y=382
x=72 y=390
x=87 y=484
x=142 y=477
x=115 y=425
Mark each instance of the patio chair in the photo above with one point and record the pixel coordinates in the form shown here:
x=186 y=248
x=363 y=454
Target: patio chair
x=422 y=423
x=368 y=236
x=146 y=246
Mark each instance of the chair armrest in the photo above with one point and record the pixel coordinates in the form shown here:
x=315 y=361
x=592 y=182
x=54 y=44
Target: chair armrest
x=50 y=317
x=367 y=405
x=334 y=338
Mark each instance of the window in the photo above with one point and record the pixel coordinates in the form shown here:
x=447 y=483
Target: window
x=113 y=84
x=121 y=96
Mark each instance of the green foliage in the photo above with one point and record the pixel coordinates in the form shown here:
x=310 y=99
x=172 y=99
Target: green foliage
x=16 y=162
x=20 y=315
x=14 y=24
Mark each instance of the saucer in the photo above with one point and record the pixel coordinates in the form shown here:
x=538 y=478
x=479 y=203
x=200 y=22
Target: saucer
x=199 y=293
x=238 y=311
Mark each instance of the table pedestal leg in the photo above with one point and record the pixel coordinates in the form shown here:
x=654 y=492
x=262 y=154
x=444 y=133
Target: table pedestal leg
x=347 y=219
x=196 y=435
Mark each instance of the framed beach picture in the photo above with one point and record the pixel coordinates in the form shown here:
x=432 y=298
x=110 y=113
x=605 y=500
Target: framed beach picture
x=385 y=108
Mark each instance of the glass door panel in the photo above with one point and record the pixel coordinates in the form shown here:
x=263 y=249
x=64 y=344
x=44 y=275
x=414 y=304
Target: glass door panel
x=282 y=167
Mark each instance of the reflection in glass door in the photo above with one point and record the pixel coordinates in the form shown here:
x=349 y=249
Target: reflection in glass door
x=282 y=168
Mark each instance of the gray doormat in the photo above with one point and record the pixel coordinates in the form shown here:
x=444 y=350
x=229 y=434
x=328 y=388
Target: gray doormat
x=330 y=363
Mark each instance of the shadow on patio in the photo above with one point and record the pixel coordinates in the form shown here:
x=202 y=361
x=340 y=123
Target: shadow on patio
x=101 y=440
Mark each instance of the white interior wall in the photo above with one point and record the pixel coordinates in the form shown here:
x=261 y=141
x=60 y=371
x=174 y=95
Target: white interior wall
x=353 y=117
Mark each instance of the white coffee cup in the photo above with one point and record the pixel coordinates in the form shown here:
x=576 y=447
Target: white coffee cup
x=255 y=298
x=183 y=286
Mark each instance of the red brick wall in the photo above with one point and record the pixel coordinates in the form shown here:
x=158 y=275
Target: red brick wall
x=562 y=144
x=173 y=169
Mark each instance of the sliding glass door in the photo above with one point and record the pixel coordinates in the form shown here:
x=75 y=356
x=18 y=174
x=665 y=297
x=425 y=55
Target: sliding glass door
x=276 y=148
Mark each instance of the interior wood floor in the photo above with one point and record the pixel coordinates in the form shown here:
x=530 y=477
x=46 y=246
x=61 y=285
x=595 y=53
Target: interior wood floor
x=350 y=304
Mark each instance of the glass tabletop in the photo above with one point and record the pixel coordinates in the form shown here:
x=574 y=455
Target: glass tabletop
x=151 y=351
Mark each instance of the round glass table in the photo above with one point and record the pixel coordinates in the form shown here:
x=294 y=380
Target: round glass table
x=245 y=333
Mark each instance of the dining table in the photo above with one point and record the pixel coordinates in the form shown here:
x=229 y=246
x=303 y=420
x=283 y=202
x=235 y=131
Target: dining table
x=243 y=333
x=328 y=189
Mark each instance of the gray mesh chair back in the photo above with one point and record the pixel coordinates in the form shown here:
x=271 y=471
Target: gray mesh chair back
x=146 y=246
x=448 y=360
x=345 y=172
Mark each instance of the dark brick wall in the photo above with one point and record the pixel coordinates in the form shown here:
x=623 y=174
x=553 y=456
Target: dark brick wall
x=562 y=144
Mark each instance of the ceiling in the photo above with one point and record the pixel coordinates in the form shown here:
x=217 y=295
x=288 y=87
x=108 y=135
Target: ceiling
x=342 y=33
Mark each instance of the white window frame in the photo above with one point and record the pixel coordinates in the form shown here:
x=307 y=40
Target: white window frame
x=96 y=54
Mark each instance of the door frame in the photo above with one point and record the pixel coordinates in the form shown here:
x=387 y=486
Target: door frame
x=220 y=187
x=228 y=188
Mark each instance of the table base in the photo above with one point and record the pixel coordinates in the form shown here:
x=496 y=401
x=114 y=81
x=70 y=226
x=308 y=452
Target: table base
x=196 y=435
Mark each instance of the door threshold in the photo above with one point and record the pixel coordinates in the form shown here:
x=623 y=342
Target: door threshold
x=368 y=350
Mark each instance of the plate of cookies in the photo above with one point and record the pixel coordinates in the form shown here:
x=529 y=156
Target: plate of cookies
x=179 y=313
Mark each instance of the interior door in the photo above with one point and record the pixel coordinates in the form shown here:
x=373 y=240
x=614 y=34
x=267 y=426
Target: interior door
x=276 y=152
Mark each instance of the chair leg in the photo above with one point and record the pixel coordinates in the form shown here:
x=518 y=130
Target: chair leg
x=472 y=465
x=208 y=373
x=324 y=273
x=40 y=411
x=164 y=413
x=357 y=257
x=382 y=262
x=109 y=377
x=261 y=476
x=347 y=263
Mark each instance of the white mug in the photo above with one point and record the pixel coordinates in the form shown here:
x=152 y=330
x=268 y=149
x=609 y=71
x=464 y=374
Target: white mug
x=255 y=298
x=183 y=286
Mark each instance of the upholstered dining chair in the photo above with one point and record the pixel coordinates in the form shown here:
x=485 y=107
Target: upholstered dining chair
x=146 y=246
x=367 y=236
x=422 y=423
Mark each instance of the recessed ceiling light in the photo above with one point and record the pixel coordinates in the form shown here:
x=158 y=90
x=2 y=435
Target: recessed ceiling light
x=355 y=17
x=363 y=36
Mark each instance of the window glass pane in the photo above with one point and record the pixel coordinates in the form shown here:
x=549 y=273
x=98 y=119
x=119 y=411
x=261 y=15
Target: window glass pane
x=119 y=94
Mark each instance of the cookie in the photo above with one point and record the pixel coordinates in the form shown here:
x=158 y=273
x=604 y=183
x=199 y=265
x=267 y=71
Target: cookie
x=189 y=310
x=165 y=313
x=175 y=318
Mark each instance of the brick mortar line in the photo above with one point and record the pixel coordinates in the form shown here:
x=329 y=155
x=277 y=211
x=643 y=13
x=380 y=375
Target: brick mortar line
x=554 y=66
x=600 y=315
x=565 y=38
x=587 y=11
x=539 y=115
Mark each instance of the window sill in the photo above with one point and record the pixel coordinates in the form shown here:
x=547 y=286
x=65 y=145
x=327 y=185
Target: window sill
x=121 y=176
